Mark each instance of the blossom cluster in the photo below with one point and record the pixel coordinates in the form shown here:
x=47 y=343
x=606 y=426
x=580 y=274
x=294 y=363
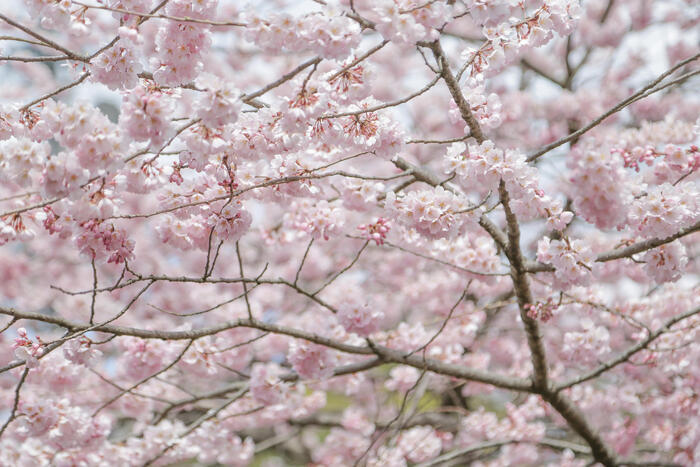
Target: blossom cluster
x=242 y=235
x=360 y=319
x=665 y=209
x=601 y=189
x=99 y=240
x=588 y=344
x=482 y=167
x=26 y=349
x=180 y=47
x=228 y=223
x=61 y=14
x=510 y=37
x=486 y=108
x=311 y=361
x=14 y=229
x=376 y=231
x=326 y=35
x=666 y=263
x=407 y=22
x=572 y=259
x=434 y=213
x=117 y=67
x=146 y=115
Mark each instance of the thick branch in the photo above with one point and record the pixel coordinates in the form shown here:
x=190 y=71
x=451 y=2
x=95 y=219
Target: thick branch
x=386 y=354
x=453 y=86
x=646 y=245
x=518 y=273
x=577 y=421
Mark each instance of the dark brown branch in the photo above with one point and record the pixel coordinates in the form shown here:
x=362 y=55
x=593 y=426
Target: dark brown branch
x=577 y=422
x=455 y=91
x=521 y=285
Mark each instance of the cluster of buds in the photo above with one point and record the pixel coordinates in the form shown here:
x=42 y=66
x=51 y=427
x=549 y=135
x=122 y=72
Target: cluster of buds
x=686 y=159
x=376 y=231
x=542 y=311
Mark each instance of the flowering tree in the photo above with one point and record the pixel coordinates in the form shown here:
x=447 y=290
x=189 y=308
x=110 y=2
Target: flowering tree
x=369 y=232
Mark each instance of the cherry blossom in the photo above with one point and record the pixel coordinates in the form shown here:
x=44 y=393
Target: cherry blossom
x=351 y=232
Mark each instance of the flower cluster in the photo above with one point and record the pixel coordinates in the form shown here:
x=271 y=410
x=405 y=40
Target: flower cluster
x=80 y=351
x=219 y=104
x=601 y=189
x=521 y=422
x=402 y=378
x=265 y=384
x=65 y=428
x=368 y=131
x=409 y=21
x=360 y=319
x=99 y=240
x=19 y=159
x=180 y=46
x=341 y=447
x=27 y=350
x=91 y=140
x=182 y=233
x=376 y=231
x=542 y=311
x=486 y=108
x=572 y=259
x=588 y=344
x=665 y=209
x=329 y=36
x=360 y=194
x=311 y=361
x=232 y=222
x=117 y=67
x=420 y=444
x=142 y=358
x=320 y=220
x=63 y=174
x=146 y=115
x=508 y=40
x=435 y=214
x=666 y=263
x=482 y=167
x=136 y=6
x=476 y=253
x=60 y=14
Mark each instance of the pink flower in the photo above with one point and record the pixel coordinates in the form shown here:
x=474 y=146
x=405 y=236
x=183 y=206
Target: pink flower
x=360 y=319
x=146 y=115
x=80 y=352
x=265 y=385
x=376 y=231
x=572 y=259
x=434 y=213
x=310 y=360
x=219 y=104
x=666 y=263
x=27 y=350
x=321 y=220
x=116 y=67
x=420 y=444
